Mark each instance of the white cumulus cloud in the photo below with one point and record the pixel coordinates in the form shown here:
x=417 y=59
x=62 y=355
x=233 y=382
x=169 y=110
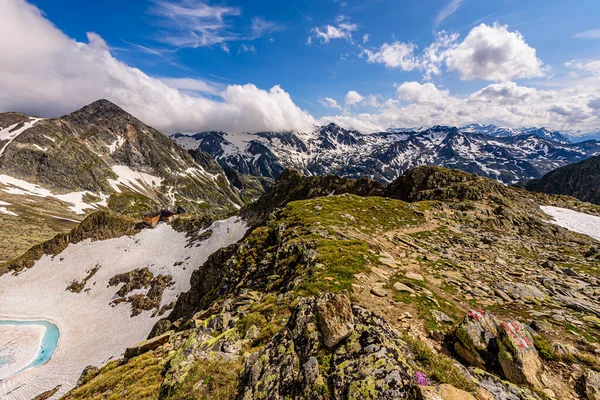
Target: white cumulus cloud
x=574 y=107
x=44 y=72
x=341 y=30
x=395 y=55
x=493 y=53
x=353 y=98
x=330 y=103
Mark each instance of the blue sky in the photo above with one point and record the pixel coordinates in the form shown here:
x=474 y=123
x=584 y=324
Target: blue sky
x=429 y=59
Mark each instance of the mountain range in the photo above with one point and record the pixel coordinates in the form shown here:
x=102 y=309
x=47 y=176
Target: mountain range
x=507 y=156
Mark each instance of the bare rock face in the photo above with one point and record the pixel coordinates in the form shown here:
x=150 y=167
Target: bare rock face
x=443 y=392
x=518 y=356
x=476 y=339
x=336 y=321
x=368 y=364
x=592 y=385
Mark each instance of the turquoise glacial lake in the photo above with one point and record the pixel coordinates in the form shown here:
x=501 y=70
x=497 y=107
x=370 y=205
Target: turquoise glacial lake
x=49 y=341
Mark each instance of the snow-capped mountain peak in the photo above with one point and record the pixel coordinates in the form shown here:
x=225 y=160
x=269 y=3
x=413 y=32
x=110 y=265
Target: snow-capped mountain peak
x=509 y=155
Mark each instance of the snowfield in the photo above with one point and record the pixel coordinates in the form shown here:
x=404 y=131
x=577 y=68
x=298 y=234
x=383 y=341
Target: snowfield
x=574 y=221
x=91 y=330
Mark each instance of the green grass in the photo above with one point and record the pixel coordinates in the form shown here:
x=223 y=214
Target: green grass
x=337 y=263
x=367 y=214
x=324 y=222
x=138 y=379
x=438 y=367
x=215 y=379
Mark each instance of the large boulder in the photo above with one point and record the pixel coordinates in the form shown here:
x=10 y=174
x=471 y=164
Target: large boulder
x=518 y=357
x=147 y=345
x=336 y=322
x=476 y=339
x=592 y=385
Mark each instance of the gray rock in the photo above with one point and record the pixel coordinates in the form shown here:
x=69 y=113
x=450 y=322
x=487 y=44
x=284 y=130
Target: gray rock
x=252 y=332
x=379 y=292
x=401 y=287
x=579 y=304
x=592 y=385
x=518 y=356
x=441 y=317
x=311 y=370
x=414 y=276
x=336 y=321
x=147 y=345
x=521 y=291
x=476 y=339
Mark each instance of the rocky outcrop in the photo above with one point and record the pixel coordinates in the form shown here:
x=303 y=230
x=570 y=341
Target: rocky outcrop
x=476 y=339
x=367 y=364
x=507 y=348
x=580 y=180
x=518 y=356
x=336 y=321
x=592 y=385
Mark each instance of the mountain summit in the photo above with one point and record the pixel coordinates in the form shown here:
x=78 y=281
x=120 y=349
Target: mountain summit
x=98 y=156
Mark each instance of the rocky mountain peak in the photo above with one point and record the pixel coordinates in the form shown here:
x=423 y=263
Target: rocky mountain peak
x=101 y=113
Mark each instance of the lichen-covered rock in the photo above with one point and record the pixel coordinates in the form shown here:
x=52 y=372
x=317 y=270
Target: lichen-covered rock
x=369 y=364
x=336 y=321
x=522 y=291
x=518 y=356
x=476 y=339
x=443 y=392
x=210 y=340
x=494 y=388
x=592 y=385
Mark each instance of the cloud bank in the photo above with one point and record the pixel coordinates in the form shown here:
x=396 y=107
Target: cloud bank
x=46 y=73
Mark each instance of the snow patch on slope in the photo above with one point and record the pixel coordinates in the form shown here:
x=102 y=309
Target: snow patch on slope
x=4 y=210
x=116 y=144
x=92 y=331
x=10 y=134
x=24 y=188
x=574 y=221
x=137 y=181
